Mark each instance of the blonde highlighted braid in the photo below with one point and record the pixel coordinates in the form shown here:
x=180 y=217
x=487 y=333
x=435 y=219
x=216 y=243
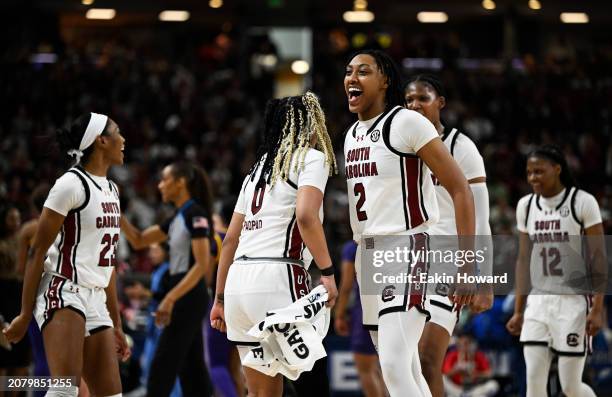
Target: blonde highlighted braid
x=301 y=118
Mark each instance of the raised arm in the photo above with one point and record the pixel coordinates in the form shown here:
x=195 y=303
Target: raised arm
x=141 y=239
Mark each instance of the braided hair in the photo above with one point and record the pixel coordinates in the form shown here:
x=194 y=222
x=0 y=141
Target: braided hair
x=288 y=125
x=394 y=95
x=428 y=79
x=553 y=154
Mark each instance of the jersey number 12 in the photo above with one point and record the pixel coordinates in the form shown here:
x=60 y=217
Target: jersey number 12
x=550 y=261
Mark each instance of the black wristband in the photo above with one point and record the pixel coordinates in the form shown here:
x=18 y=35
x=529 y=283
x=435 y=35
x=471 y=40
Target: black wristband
x=328 y=271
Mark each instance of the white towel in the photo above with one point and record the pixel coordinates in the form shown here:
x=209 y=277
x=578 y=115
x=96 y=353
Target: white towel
x=291 y=338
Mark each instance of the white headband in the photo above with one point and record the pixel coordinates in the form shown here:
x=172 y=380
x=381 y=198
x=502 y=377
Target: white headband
x=95 y=127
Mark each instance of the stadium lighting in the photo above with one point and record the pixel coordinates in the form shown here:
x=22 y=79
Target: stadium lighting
x=300 y=67
x=174 y=16
x=100 y=13
x=87 y=2
x=432 y=17
x=359 y=14
x=215 y=3
x=535 y=4
x=574 y=17
x=488 y=4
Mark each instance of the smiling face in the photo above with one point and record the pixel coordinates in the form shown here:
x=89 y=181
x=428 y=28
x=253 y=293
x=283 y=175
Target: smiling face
x=423 y=98
x=365 y=86
x=113 y=144
x=544 y=176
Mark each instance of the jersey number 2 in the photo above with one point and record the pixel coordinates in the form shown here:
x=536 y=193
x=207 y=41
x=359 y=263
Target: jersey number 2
x=108 y=242
x=359 y=190
x=550 y=268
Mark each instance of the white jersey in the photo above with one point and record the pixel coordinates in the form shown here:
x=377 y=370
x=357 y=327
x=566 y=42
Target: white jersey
x=390 y=190
x=555 y=226
x=270 y=228
x=84 y=250
x=466 y=154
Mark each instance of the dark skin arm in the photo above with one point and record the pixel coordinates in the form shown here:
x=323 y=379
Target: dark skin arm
x=599 y=277
x=49 y=225
x=230 y=244
x=123 y=350
x=142 y=239
x=26 y=235
x=446 y=169
x=344 y=293
x=515 y=324
x=201 y=252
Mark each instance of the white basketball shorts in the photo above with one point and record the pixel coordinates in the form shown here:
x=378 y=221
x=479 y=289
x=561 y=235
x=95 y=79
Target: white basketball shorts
x=558 y=322
x=56 y=293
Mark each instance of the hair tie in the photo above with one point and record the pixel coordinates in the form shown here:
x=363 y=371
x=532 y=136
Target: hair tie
x=77 y=154
x=95 y=127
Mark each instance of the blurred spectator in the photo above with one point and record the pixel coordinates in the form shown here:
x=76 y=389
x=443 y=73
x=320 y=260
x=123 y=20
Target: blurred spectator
x=467 y=372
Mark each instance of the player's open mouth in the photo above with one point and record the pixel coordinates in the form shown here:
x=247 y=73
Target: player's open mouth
x=353 y=95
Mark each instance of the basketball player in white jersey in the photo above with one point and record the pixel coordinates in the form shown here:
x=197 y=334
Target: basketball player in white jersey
x=425 y=94
x=389 y=152
x=69 y=284
x=553 y=319
x=276 y=228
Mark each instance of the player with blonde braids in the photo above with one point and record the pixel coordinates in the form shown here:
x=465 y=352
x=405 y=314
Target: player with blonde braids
x=276 y=229
x=314 y=126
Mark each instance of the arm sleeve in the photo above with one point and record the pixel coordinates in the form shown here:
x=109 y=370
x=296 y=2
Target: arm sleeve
x=481 y=204
x=470 y=161
x=315 y=171
x=589 y=210
x=521 y=214
x=484 y=241
x=241 y=202
x=67 y=193
x=410 y=131
x=197 y=222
